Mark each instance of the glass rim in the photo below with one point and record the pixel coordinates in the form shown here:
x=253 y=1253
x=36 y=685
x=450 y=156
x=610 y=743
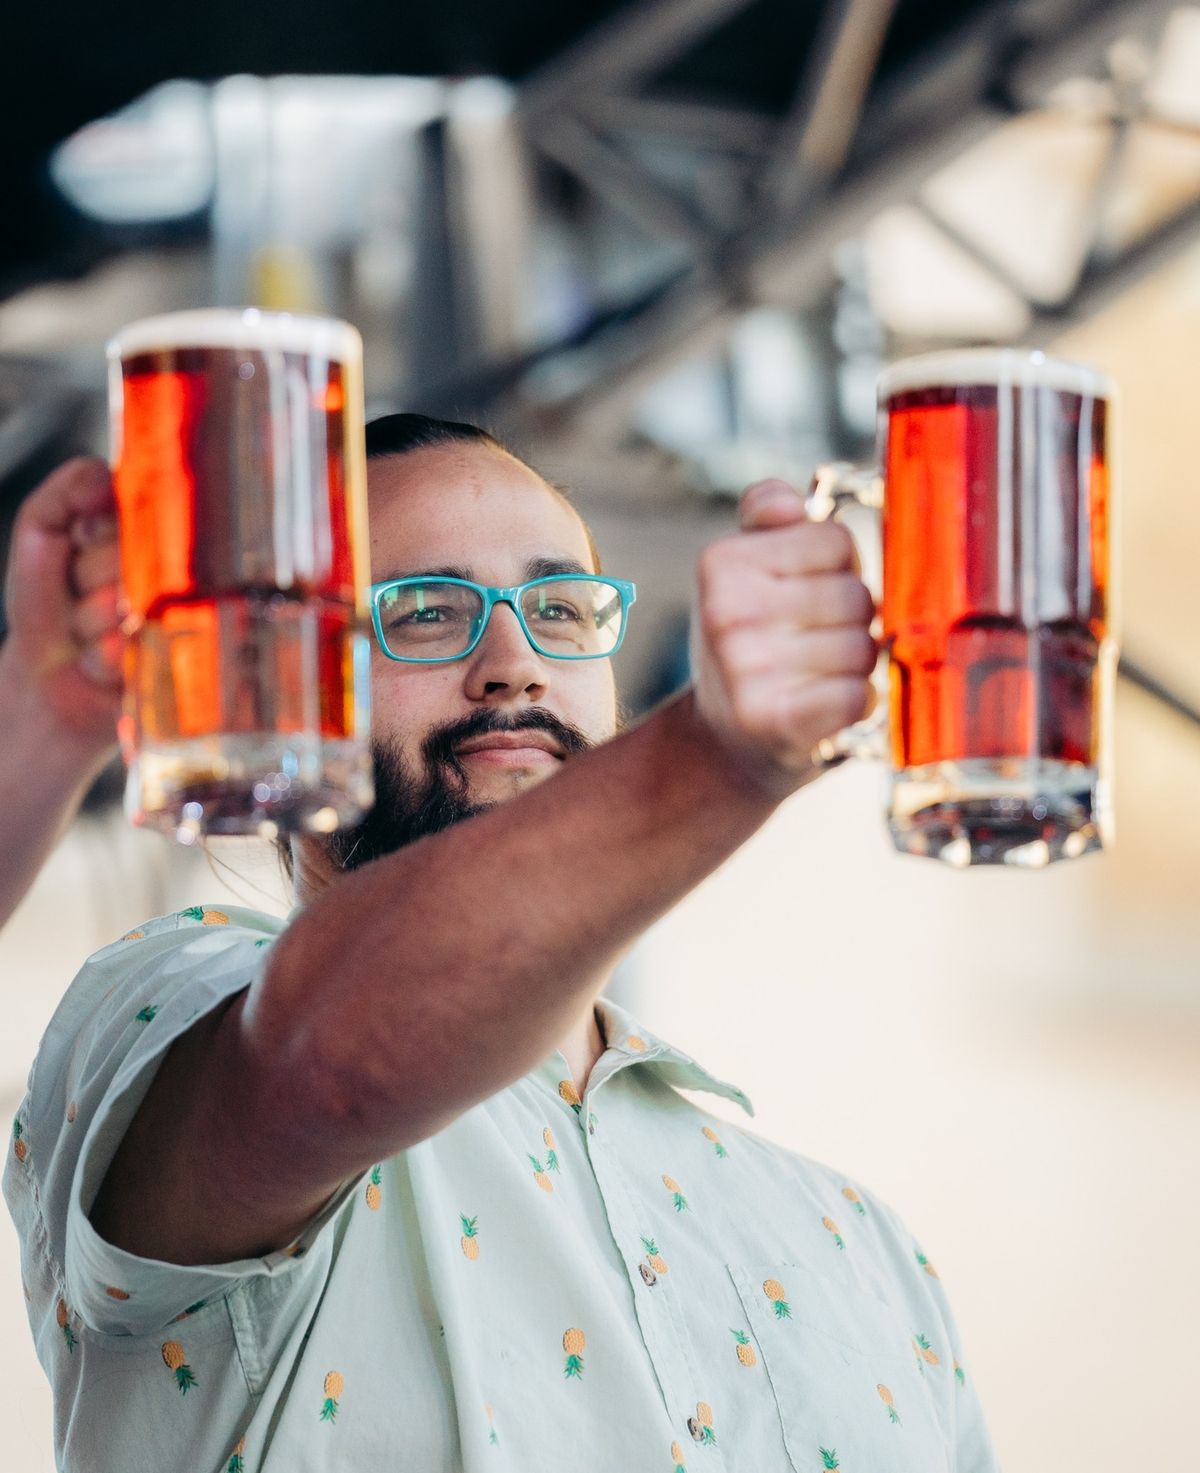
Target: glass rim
x=238 y=327
x=1000 y=366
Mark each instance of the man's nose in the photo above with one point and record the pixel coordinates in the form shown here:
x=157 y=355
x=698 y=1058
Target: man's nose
x=504 y=665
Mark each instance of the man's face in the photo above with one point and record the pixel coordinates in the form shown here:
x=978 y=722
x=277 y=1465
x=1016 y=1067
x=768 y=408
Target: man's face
x=451 y=739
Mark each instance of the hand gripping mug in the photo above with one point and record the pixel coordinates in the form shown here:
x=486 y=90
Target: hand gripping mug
x=994 y=486
x=239 y=463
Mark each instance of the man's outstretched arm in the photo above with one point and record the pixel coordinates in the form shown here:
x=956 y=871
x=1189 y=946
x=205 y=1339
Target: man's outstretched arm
x=431 y=979
x=59 y=666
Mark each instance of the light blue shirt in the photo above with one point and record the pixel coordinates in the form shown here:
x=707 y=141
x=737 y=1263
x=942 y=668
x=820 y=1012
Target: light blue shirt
x=618 y=1284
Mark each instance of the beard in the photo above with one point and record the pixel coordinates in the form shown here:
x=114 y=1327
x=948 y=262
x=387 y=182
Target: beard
x=408 y=805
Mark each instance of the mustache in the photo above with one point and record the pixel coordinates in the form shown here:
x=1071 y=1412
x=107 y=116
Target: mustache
x=412 y=802
x=439 y=747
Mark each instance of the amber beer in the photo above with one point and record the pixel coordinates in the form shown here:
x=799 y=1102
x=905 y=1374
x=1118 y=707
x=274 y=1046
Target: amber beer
x=238 y=460
x=995 y=610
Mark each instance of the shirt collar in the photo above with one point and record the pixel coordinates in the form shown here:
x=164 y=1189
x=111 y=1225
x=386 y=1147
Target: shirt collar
x=629 y=1044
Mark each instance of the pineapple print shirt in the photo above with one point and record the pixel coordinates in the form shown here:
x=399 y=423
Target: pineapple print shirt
x=618 y=1282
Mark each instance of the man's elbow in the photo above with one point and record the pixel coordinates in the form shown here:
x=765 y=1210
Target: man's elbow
x=320 y=1070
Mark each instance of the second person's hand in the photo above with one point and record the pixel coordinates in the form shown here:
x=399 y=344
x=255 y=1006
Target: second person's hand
x=63 y=650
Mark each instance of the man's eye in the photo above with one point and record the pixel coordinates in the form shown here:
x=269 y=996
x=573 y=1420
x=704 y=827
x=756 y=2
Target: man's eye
x=431 y=614
x=563 y=612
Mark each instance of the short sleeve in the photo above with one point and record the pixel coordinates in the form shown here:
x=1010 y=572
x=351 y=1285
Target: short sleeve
x=124 y=1010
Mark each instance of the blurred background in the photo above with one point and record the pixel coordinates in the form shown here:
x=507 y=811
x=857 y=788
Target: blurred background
x=665 y=248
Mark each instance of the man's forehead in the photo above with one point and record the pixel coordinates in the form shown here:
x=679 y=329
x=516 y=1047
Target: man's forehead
x=470 y=508
x=542 y=566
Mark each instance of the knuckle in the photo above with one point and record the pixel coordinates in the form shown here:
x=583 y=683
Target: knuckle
x=721 y=586
x=97 y=567
x=713 y=561
x=715 y=608
x=829 y=705
x=752 y=709
x=847 y=700
x=835 y=600
x=835 y=543
x=861 y=653
x=862 y=602
x=820 y=545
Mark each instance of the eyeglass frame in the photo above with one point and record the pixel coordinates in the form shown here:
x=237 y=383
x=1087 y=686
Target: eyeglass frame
x=491 y=597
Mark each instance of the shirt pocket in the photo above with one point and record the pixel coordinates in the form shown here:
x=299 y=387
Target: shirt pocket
x=850 y=1388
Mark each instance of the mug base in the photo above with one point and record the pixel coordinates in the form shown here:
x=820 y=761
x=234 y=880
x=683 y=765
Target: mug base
x=261 y=785
x=1023 y=813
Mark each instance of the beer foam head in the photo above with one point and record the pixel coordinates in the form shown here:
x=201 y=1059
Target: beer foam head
x=1003 y=367
x=283 y=332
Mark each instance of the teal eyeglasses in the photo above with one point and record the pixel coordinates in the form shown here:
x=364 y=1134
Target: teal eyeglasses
x=568 y=616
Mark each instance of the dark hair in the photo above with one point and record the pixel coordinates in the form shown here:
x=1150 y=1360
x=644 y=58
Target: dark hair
x=397 y=434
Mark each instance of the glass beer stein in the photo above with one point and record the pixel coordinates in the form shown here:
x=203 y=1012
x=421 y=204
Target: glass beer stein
x=239 y=463
x=994 y=486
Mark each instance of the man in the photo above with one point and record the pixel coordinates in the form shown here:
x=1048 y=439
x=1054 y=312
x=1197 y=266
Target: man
x=385 y=1186
x=59 y=666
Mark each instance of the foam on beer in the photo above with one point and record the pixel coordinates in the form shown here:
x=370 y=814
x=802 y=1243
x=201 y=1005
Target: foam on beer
x=284 y=332
x=999 y=366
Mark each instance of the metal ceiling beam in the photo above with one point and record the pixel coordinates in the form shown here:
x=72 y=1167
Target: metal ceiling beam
x=788 y=263
x=639 y=41
x=1130 y=75
x=1102 y=282
x=1073 y=38
x=786 y=259
x=617 y=178
x=673 y=120
x=815 y=136
x=978 y=253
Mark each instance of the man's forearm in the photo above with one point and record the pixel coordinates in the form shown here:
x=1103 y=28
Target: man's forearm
x=43 y=777
x=431 y=979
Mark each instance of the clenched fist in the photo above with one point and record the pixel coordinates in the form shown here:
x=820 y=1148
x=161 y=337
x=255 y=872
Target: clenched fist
x=63 y=649
x=781 y=637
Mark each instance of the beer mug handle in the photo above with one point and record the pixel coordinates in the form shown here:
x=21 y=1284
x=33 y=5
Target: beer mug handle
x=834 y=485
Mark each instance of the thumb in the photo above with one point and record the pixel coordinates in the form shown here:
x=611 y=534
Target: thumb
x=769 y=504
